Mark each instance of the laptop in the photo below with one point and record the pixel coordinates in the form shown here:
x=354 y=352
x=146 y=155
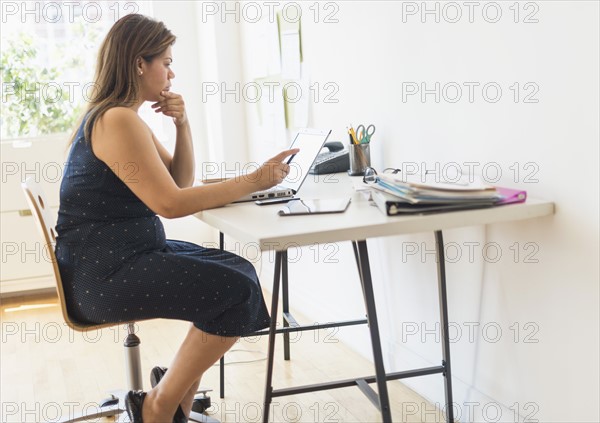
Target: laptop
x=310 y=142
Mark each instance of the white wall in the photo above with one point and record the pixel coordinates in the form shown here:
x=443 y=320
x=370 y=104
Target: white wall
x=544 y=364
x=191 y=68
x=205 y=57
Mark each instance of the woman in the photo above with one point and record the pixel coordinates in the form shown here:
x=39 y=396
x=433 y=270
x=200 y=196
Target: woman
x=114 y=259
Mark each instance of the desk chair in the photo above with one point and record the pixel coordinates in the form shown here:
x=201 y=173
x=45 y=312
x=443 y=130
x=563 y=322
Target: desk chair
x=115 y=404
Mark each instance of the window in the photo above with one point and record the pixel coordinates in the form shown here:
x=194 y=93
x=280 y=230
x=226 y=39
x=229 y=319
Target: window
x=47 y=61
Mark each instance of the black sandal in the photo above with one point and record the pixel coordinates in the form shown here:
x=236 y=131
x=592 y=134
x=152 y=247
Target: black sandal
x=156 y=375
x=134 y=402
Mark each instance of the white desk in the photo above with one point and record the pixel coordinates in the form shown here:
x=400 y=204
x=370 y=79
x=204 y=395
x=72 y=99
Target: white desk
x=262 y=226
x=248 y=222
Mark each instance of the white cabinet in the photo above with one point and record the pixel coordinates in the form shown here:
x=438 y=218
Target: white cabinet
x=25 y=264
x=23 y=253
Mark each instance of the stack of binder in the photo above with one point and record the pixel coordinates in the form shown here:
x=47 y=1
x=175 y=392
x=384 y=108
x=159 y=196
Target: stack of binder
x=394 y=195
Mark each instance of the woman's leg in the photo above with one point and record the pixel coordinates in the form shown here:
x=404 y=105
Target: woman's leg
x=199 y=351
x=188 y=399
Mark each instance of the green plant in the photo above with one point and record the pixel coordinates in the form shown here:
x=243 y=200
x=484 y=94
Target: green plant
x=34 y=99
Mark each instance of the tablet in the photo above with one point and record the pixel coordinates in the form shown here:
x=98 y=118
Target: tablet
x=318 y=206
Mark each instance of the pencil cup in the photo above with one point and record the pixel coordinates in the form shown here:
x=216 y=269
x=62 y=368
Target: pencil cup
x=360 y=159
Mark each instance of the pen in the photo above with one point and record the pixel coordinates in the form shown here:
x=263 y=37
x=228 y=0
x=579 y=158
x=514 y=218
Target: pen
x=350 y=135
x=353 y=135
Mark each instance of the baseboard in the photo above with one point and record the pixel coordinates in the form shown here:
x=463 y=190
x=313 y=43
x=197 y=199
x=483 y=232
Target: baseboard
x=33 y=286
x=470 y=404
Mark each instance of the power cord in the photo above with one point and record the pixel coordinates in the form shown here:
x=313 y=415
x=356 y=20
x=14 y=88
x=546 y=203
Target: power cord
x=244 y=361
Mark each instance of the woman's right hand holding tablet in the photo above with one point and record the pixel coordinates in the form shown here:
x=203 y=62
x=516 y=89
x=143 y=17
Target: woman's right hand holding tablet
x=273 y=171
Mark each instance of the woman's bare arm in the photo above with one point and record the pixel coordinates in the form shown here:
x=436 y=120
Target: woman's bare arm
x=121 y=140
x=182 y=163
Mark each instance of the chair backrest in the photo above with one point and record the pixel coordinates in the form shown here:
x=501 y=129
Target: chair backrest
x=40 y=209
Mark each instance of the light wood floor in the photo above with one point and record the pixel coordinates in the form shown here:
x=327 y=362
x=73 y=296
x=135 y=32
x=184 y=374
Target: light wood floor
x=47 y=370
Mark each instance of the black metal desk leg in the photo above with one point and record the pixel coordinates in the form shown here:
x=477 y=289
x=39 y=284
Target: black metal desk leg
x=380 y=375
x=357 y=257
x=272 y=327
x=285 y=303
x=439 y=247
x=355 y=249
x=222 y=360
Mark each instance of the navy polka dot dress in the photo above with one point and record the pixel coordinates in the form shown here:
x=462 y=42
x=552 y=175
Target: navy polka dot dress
x=117 y=266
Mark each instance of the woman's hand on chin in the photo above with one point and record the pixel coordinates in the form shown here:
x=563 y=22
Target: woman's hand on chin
x=171 y=105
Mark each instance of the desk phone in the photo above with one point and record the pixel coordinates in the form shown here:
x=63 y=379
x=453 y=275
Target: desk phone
x=337 y=159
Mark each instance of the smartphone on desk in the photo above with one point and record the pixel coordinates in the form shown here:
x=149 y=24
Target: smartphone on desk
x=315 y=206
x=268 y=201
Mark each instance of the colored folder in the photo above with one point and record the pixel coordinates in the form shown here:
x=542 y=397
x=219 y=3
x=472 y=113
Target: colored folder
x=392 y=205
x=511 y=196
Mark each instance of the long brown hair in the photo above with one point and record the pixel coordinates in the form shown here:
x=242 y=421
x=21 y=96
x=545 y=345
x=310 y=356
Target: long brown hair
x=116 y=82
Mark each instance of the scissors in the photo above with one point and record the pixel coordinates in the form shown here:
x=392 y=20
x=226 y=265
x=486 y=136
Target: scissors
x=364 y=135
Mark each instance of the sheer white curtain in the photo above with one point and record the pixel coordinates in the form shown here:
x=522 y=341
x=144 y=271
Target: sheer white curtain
x=206 y=53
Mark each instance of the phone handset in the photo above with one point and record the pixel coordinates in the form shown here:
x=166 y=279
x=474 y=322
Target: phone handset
x=334 y=146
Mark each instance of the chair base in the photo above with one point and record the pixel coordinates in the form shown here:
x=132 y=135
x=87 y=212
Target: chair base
x=112 y=406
